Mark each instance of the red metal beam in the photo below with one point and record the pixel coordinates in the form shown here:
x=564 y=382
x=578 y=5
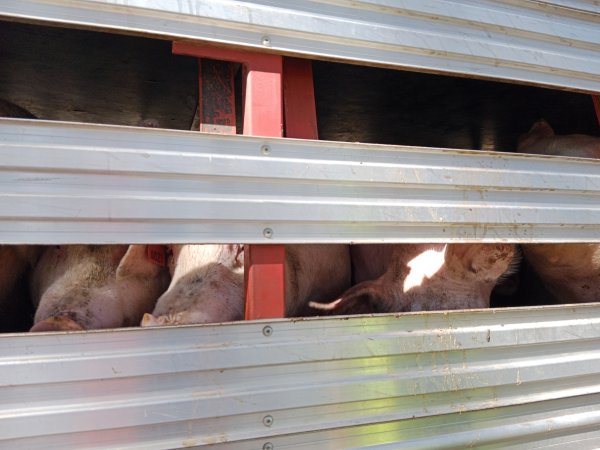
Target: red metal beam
x=263 y=116
x=299 y=99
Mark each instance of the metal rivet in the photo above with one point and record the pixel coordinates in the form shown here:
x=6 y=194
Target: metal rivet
x=267 y=331
x=268 y=233
x=268 y=421
x=268 y=446
x=265 y=149
x=266 y=40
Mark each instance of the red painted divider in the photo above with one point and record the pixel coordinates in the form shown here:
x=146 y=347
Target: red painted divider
x=264 y=99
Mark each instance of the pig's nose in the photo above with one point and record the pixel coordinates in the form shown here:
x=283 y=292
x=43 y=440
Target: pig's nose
x=59 y=323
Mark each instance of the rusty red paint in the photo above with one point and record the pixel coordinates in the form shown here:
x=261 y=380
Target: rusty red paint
x=299 y=99
x=264 y=278
x=263 y=116
x=216 y=96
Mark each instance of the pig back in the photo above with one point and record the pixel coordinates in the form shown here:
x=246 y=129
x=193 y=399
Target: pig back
x=314 y=272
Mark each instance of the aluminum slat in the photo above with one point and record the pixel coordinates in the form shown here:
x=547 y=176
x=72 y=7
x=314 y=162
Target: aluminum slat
x=553 y=43
x=77 y=183
x=417 y=380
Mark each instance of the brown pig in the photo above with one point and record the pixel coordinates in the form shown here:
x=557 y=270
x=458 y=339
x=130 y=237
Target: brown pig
x=571 y=272
x=208 y=282
x=79 y=287
x=423 y=277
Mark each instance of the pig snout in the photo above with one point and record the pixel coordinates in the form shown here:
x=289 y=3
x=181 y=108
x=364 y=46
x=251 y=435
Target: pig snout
x=56 y=323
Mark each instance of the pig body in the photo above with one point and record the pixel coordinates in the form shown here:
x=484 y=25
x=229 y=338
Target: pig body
x=208 y=282
x=78 y=287
x=207 y=285
x=571 y=272
x=541 y=140
x=312 y=272
x=423 y=277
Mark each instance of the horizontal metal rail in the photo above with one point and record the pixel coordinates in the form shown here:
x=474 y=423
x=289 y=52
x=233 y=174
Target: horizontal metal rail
x=417 y=380
x=76 y=183
x=553 y=43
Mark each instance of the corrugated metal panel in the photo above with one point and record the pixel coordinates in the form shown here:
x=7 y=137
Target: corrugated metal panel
x=76 y=183
x=488 y=379
x=552 y=43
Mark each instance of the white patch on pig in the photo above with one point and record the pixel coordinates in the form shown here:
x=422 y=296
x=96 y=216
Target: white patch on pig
x=424 y=265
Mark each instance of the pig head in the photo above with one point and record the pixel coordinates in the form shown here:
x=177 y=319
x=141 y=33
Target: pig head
x=79 y=287
x=422 y=277
x=208 y=282
x=571 y=272
x=207 y=285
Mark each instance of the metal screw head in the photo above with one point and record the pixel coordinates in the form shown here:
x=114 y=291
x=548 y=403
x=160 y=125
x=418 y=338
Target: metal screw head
x=268 y=233
x=268 y=421
x=268 y=446
x=265 y=149
x=267 y=331
x=266 y=41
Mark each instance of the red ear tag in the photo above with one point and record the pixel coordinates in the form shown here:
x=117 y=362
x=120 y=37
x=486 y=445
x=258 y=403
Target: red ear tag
x=157 y=254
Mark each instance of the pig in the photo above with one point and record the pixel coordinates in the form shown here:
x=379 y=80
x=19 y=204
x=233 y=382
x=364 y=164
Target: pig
x=314 y=271
x=207 y=285
x=84 y=287
x=423 y=277
x=570 y=272
x=208 y=282
x=541 y=140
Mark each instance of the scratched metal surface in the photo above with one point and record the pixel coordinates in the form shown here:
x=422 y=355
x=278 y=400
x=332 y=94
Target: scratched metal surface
x=553 y=43
x=78 y=183
x=487 y=378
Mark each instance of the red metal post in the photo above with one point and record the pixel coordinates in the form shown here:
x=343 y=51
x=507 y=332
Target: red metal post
x=299 y=99
x=263 y=116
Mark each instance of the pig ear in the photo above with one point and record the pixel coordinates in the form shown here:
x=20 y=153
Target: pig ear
x=364 y=298
x=542 y=128
x=539 y=130
x=128 y=261
x=149 y=321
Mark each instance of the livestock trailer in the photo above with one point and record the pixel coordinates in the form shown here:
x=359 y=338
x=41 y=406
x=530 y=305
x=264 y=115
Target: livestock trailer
x=507 y=377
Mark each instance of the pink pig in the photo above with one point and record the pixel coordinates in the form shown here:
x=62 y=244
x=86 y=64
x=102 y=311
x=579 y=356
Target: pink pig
x=571 y=272
x=208 y=282
x=422 y=277
x=77 y=287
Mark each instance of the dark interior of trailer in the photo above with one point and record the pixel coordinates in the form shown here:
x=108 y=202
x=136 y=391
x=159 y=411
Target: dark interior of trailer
x=94 y=77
